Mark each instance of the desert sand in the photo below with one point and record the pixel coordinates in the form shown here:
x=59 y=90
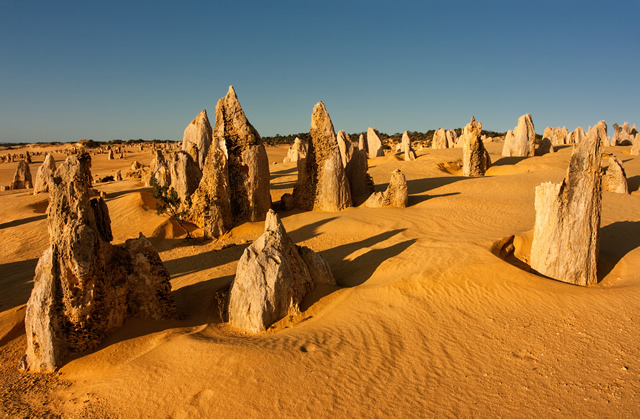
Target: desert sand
x=425 y=319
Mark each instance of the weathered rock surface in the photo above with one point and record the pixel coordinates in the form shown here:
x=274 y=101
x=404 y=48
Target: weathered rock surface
x=210 y=203
x=248 y=163
x=272 y=278
x=119 y=175
x=396 y=194
x=623 y=135
x=22 y=176
x=522 y=141
x=601 y=132
x=557 y=136
x=452 y=139
x=322 y=182
x=44 y=175
x=475 y=158
x=110 y=155
x=296 y=152
x=567 y=226
x=362 y=144
x=635 y=149
x=409 y=154
x=545 y=147
x=576 y=136
x=197 y=138
x=84 y=287
x=159 y=172
x=185 y=174
x=344 y=145
x=614 y=178
x=360 y=182
x=439 y=139
x=374 y=144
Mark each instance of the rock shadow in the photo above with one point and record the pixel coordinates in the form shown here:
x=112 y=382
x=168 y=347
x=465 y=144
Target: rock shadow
x=418 y=186
x=16 y=283
x=206 y=260
x=505 y=161
x=21 y=221
x=283 y=172
x=633 y=183
x=362 y=267
x=417 y=199
x=308 y=231
x=616 y=240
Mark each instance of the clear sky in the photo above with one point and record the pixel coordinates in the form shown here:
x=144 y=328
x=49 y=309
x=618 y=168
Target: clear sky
x=145 y=69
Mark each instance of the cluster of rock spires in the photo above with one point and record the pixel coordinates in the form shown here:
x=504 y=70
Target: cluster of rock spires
x=272 y=278
x=84 y=287
x=567 y=226
x=624 y=135
x=333 y=172
x=296 y=152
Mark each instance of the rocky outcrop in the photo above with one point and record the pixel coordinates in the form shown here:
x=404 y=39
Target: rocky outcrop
x=322 y=182
x=567 y=226
x=545 y=147
x=210 y=203
x=635 y=149
x=623 y=135
x=119 y=175
x=296 y=152
x=362 y=144
x=614 y=178
x=272 y=278
x=248 y=163
x=439 y=139
x=44 y=175
x=197 y=138
x=522 y=141
x=576 y=136
x=344 y=145
x=409 y=154
x=557 y=136
x=84 y=287
x=374 y=144
x=452 y=139
x=601 y=133
x=396 y=194
x=159 y=172
x=360 y=182
x=110 y=155
x=22 y=176
x=185 y=175
x=475 y=158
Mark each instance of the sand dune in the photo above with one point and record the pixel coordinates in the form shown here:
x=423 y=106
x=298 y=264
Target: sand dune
x=425 y=320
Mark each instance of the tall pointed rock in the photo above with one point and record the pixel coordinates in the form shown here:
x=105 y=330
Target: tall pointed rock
x=522 y=142
x=322 y=183
x=248 y=162
x=567 y=227
x=197 y=138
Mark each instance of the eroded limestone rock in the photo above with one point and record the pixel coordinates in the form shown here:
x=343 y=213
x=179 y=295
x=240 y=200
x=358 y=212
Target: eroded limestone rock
x=84 y=287
x=374 y=144
x=396 y=194
x=322 y=182
x=248 y=164
x=614 y=178
x=522 y=141
x=22 y=176
x=296 y=152
x=197 y=138
x=44 y=175
x=475 y=158
x=409 y=154
x=557 y=136
x=567 y=226
x=439 y=139
x=272 y=278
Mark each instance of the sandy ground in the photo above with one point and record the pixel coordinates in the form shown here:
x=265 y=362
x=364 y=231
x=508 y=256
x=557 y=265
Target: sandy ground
x=426 y=320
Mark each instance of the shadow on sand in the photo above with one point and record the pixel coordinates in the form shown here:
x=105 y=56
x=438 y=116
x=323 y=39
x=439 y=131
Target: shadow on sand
x=16 y=283
x=634 y=183
x=506 y=161
x=616 y=240
x=27 y=220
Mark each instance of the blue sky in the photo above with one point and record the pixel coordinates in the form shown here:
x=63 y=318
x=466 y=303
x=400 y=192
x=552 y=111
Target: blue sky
x=106 y=70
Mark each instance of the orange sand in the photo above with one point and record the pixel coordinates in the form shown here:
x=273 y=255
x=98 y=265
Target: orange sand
x=426 y=321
